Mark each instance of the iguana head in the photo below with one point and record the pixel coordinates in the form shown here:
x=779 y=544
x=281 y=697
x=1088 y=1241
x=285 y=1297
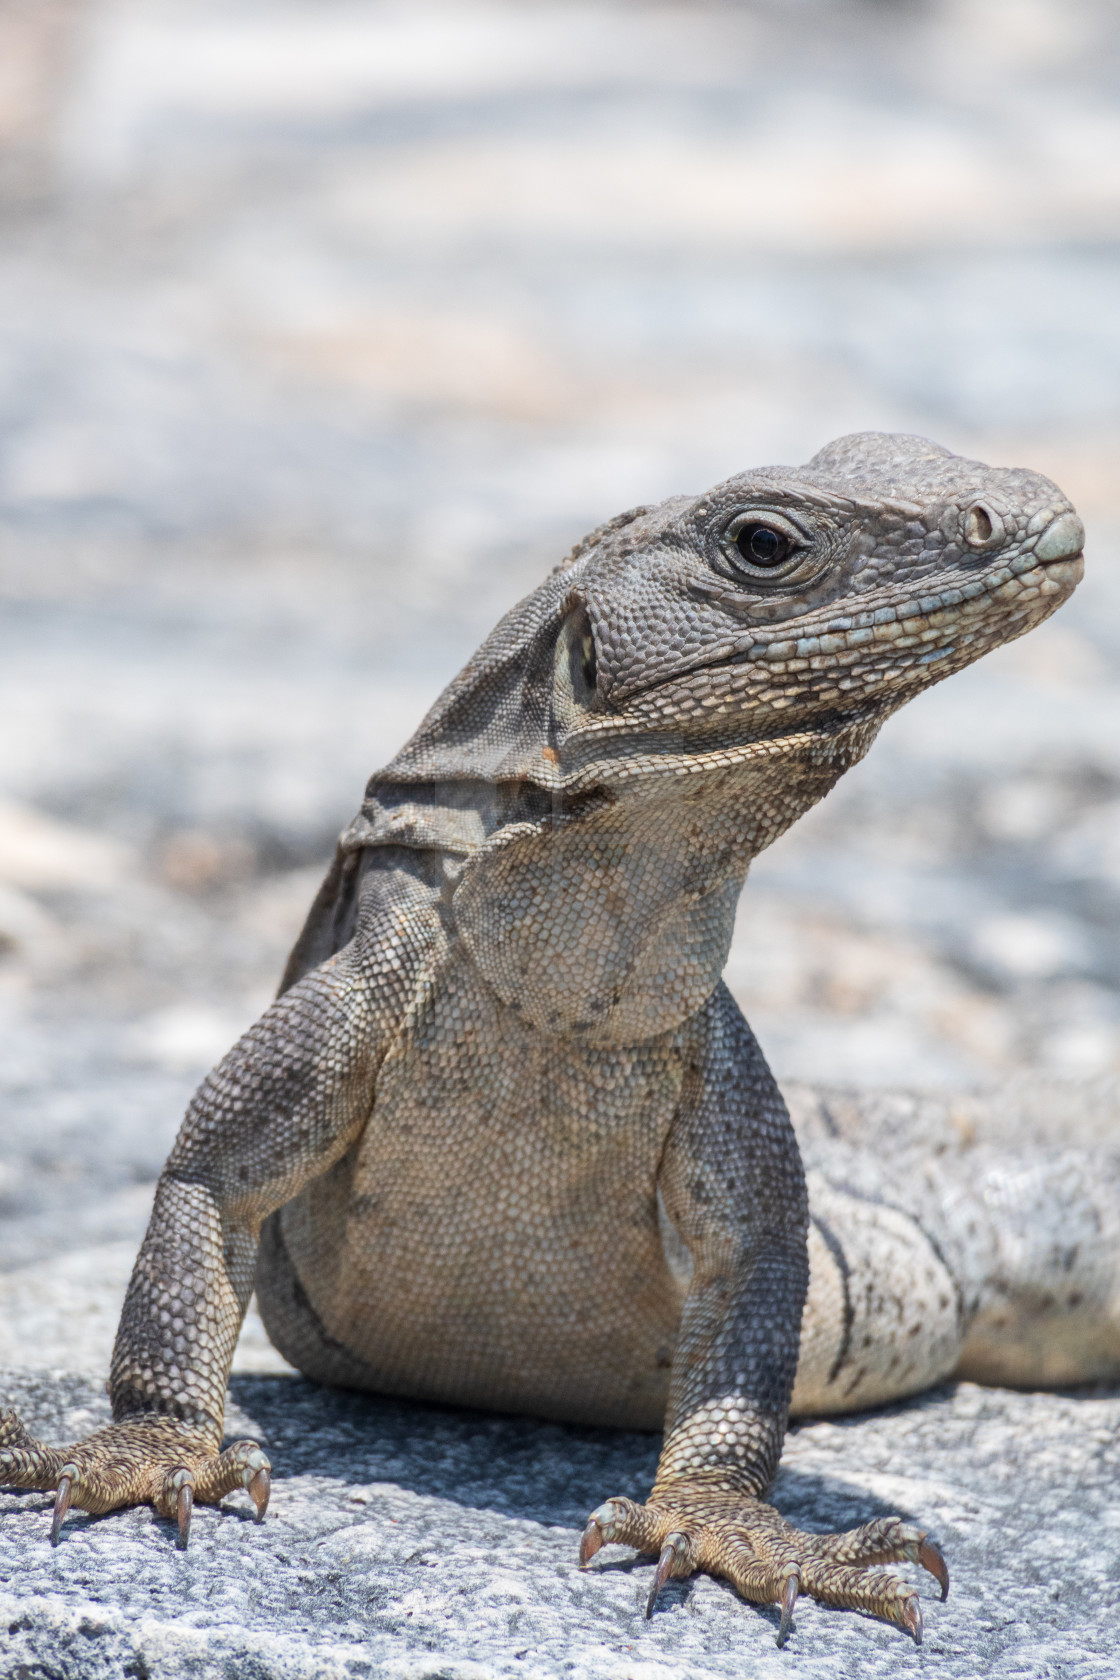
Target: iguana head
x=787 y=594
x=786 y=600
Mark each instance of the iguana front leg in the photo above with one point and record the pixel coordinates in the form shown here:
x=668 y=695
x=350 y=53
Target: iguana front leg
x=286 y=1102
x=733 y=1186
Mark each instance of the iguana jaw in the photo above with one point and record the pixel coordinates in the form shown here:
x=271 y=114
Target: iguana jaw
x=834 y=672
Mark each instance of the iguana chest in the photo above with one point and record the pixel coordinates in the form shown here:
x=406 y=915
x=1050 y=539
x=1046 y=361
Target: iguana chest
x=493 y=1238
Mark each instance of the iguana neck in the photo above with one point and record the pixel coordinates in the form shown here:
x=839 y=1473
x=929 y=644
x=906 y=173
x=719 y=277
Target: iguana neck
x=611 y=922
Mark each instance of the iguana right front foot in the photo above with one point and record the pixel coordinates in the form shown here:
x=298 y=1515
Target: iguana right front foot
x=691 y=1527
x=146 y=1459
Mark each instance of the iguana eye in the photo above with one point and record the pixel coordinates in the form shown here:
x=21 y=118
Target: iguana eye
x=760 y=546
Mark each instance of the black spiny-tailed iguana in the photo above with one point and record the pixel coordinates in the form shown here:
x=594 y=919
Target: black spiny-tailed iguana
x=505 y=1140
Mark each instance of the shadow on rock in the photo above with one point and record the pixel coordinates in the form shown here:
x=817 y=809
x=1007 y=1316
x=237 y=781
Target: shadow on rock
x=522 y=1467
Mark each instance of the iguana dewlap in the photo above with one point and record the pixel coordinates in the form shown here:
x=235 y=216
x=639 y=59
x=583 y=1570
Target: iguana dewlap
x=504 y=1139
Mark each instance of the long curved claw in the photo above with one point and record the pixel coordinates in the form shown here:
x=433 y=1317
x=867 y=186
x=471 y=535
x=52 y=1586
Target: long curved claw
x=675 y=1559
x=260 y=1487
x=184 y=1505
x=247 y=1466
x=930 y=1557
x=661 y=1575
x=912 y=1618
x=178 y=1501
x=63 y=1500
x=790 y=1589
x=590 y=1541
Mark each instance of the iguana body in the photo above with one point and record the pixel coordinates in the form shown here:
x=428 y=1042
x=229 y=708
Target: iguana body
x=504 y=1139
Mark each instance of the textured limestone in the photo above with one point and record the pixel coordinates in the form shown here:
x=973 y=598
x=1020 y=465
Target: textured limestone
x=412 y=1541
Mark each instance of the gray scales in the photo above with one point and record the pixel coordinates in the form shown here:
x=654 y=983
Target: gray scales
x=504 y=1140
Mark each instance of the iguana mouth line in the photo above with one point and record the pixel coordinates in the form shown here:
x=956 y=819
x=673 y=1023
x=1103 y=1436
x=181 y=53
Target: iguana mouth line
x=871 y=627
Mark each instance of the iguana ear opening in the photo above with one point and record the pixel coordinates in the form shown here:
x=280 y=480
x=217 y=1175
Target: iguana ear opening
x=575 y=672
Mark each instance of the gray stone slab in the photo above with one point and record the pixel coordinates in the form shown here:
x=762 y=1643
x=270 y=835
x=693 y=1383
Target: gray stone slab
x=413 y=1541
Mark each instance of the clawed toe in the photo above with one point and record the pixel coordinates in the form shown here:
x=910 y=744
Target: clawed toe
x=243 y=1465
x=791 y=1589
x=63 y=1499
x=590 y=1542
x=259 y=1487
x=178 y=1501
x=932 y=1560
x=912 y=1618
x=613 y=1521
x=13 y=1433
x=887 y=1540
x=676 y=1560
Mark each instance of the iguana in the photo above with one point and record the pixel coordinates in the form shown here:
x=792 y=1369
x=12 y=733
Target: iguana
x=504 y=1139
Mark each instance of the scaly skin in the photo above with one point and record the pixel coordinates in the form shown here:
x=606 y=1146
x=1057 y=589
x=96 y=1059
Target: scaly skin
x=504 y=1139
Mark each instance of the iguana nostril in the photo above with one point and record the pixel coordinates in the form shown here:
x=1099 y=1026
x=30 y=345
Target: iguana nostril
x=982 y=527
x=1062 y=538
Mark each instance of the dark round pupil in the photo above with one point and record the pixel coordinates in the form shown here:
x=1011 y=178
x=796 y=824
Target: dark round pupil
x=760 y=545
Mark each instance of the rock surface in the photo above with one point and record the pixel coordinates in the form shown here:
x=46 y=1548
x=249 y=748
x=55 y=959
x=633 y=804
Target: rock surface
x=426 y=1544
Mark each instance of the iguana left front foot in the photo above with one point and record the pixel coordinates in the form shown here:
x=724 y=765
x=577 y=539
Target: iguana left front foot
x=693 y=1526
x=143 y=1459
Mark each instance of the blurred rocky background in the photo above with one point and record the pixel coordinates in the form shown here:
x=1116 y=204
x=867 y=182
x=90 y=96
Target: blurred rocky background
x=325 y=328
